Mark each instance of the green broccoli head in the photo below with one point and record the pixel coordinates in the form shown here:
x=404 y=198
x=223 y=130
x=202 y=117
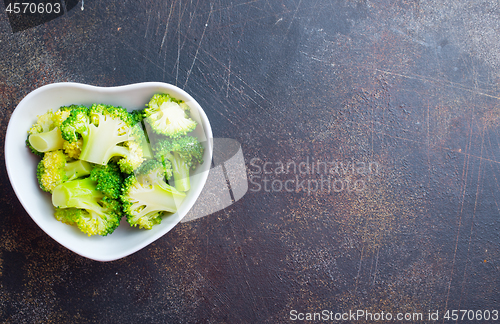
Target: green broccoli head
x=76 y=124
x=107 y=132
x=43 y=124
x=102 y=222
x=68 y=215
x=44 y=135
x=63 y=113
x=137 y=115
x=50 y=170
x=168 y=116
x=79 y=201
x=167 y=167
x=134 y=157
x=184 y=154
x=50 y=120
x=73 y=149
x=108 y=178
x=55 y=169
x=146 y=196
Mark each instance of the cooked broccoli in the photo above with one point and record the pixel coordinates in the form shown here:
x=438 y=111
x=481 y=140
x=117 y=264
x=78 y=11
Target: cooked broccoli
x=168 y=116
x=73 y=149
x=62 y=114
x=54 y=169
x=138 y=116
x=107 y=132
x=99 y=164
x=76 y=124
x=45 y=135
x=50 y=170
x=109 y=179
x=146 y=196
x=68 y=215
x=79 y=201
x=184 y=154
x=77 y=169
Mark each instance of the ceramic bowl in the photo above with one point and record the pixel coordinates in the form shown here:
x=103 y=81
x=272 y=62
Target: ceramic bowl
x=21 y=164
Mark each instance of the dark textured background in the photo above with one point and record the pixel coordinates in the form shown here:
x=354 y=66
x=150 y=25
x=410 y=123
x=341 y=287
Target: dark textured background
x=410 y=85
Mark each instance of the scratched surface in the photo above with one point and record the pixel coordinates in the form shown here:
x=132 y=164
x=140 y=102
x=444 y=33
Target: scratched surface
x=408 y=87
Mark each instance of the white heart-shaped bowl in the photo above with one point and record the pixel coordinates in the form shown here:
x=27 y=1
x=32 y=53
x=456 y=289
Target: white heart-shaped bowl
x=21 y=164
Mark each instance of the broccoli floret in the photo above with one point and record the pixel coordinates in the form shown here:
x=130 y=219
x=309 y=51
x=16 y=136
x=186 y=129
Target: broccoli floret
x=63 y=113
x=50 y=170
x=44 y=135
x=138 y=116
x=76 y=124
x=184 y=154
x=54 y=169
x=68 y=215
x=168 y=116
x=167 y=168
x=109 y=179
x=107 y=132
x=73 y=149
x=133 y=156
x=79 y=201
x=146 y=196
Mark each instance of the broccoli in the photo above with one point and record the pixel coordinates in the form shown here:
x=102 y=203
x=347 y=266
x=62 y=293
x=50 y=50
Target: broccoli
x=77 y=169
x=62 y=114
x=107 y=132
x=98 y=163
x=45 y=135
x=80 y=202
x=168 y=116
x=109 y=179
x=138 y=116
x=76 y=124
x=146 y=196
x=73 y=149
x=182 y=154
x=54 y=169
x=68 y=215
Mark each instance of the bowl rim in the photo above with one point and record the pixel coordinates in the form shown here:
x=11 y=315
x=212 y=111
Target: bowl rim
x=10 y=142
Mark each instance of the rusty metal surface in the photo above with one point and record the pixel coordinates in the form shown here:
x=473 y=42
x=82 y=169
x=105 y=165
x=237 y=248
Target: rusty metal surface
x=408 y=88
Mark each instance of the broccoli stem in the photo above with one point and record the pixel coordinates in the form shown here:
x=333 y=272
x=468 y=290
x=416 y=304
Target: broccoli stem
x=181 y=173
x=158 y=198
x=146 y=205
x=77 y=169
x=78 y=194
x=48 y=141
x=100 y=142
x=146 y=149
